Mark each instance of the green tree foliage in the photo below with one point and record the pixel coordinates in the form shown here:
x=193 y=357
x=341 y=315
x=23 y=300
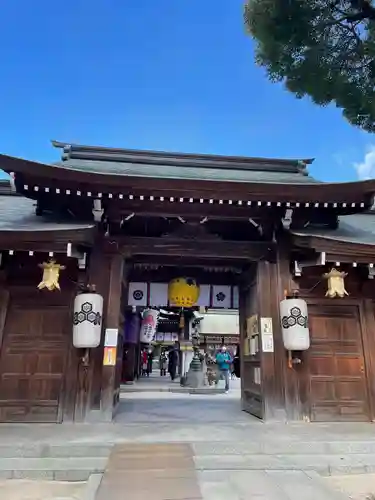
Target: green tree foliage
x=321 y=48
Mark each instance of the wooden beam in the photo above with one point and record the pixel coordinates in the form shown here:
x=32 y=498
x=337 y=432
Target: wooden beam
x=228 y=250
x=182 y=261
x=167 y=208
x=331 y=258
x=166 y=274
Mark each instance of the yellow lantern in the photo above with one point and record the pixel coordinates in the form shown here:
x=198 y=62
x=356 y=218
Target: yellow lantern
x=183 y=292
x=336 y=284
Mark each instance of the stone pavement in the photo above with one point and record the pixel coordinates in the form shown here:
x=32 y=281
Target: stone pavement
x=235 y=456
x=41 y=490
x=150 y=471
x=156 y=383
x=358 y=487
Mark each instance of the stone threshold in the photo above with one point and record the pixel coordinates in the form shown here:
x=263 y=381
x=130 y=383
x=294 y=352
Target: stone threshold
x=176 y=390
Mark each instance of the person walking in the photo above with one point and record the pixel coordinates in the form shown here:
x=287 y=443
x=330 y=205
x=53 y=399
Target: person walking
x=163 y=363
x=144 y=362
x=172 y=362
x=150 y=359
x=223 y=361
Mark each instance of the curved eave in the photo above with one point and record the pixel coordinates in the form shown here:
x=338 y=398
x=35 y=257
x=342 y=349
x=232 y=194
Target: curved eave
x=347 y=192
x=45 y=240
x=355 y=234
x=20 y=224
x=51 y=234
x=75 y=233
x=328 y=243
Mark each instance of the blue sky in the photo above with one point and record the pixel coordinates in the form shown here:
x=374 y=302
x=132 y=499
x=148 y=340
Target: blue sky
x=175 y=75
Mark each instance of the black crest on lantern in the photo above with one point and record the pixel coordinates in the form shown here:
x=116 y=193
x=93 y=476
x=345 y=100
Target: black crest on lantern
x=294 y=318
x=86 y=313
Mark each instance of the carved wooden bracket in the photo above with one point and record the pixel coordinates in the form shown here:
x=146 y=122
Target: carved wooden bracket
x=192 y=229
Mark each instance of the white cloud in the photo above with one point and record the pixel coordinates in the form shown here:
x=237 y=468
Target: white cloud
x=366 y=168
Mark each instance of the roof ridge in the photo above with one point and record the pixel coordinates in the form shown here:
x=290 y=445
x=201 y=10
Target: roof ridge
x=103 y=153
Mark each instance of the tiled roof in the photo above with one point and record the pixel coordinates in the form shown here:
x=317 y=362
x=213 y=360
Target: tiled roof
x=358 y=229
x=187 y=173
x=164 y=165
x=18 y=214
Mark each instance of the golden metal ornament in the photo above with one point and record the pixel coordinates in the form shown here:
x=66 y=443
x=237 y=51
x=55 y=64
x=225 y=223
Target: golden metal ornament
x=336 y=285
x=51 y=274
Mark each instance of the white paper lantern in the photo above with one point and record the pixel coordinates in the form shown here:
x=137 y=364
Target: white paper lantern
x=294 y=324
x=149 y=325
x=87 y=320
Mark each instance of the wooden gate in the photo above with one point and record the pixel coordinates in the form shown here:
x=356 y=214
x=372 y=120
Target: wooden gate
x=337 y=380
x=251 y=379
x=32 y=360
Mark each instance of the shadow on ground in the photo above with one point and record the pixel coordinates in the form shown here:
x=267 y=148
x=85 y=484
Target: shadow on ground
x=190 y=409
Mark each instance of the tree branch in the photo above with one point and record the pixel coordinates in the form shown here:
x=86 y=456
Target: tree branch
x=364 y=8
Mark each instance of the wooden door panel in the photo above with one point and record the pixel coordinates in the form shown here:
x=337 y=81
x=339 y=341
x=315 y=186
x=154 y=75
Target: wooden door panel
x=336 y=366
x=32 y=362
x=350 y=390
x=323 y=389
x=321 y=365
x=251 y=370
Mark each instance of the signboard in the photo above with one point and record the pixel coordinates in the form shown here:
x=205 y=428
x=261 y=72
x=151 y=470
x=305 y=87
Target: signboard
x=252 y=326
x=213 y=338
x=231 y=340
x=267 y=334
x=166 y=337
x=110 y=339
x=109 y=358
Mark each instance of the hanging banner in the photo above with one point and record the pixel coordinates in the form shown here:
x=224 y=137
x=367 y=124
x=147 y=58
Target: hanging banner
x=221 y=296
x=158 y=294
x=137 y=294
x=204 y=296
x=235 y=298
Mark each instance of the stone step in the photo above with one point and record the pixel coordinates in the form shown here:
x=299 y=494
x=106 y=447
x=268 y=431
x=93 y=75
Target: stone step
x=264 y=446
x=58 y=469
x=42 y=450
x=271 y=446
x=325 y=465
x=280 y=485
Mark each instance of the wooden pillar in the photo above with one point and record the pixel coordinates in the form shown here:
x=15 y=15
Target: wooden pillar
x=295 y=378
x=77 y=380
x=272 y=352
x=263 y=371
x=110 y=373
x=368 y=340
x=99 y=381
x=4 y=302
